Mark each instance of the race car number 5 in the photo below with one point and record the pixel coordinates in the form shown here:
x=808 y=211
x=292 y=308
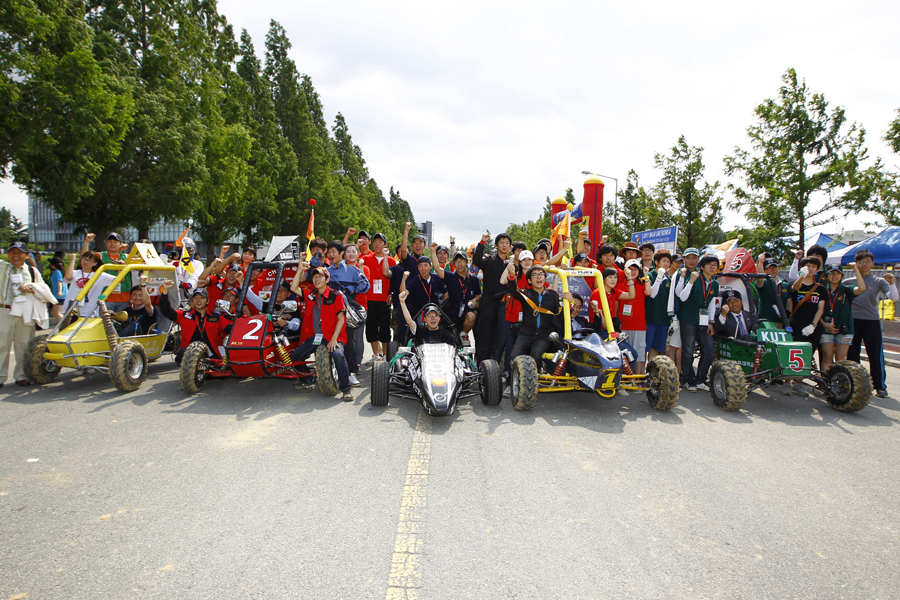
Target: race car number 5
x=251 y=335
x=795 y=359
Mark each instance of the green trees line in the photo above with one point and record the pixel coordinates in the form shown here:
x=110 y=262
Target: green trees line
x=122 y=113
x=806 y=166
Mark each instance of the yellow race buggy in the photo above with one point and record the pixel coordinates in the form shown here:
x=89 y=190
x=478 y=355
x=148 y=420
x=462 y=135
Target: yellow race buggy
x=80 y=342
x=587 y=362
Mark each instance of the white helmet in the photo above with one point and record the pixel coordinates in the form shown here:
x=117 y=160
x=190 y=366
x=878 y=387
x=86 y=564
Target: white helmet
x=189 y=245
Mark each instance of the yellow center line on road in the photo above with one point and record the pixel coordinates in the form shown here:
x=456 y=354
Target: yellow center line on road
x=406 y=563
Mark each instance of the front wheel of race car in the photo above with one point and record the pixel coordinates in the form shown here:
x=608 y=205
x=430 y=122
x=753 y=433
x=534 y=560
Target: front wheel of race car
x=727 y=385
x=381 y=383
x=128 y=366
x=491 y=382
x=326 y=372
x=523 y=383
x=194 y=364
x=37 y=369
x=663 y=378
x=850 y=386
x=392 y=349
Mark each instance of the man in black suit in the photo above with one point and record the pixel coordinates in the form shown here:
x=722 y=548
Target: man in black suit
x=734 y=321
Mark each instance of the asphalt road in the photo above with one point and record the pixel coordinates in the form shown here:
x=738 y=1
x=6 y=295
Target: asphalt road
x=252 y=489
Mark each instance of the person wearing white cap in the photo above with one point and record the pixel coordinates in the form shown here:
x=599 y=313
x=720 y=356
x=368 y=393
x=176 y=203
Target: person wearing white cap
x=16 y=280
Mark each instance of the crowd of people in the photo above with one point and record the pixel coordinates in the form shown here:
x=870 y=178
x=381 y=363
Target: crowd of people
x=352 y=292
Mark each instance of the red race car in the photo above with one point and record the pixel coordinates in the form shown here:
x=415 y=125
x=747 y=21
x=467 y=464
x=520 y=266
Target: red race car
x=256 y=345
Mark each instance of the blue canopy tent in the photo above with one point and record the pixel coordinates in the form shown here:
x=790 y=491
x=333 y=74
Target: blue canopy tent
x=885 y=246
x=826 y=242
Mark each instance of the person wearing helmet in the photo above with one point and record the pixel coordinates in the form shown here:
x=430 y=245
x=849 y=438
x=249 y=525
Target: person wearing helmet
x=432 y=333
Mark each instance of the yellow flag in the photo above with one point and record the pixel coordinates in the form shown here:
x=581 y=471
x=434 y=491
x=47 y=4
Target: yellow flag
x=187 y=263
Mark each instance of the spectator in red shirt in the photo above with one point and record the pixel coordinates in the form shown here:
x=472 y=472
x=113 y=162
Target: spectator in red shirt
x=631 y=311
x=323 y=323
x=197 y=324
x=607 y=257
x=613 y=295
x=378 y=317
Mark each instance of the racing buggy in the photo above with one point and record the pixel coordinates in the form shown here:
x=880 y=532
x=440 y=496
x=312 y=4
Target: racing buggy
x=590 y=363
x=255 y=347
x=95 y=342
x=437 y=375
x=742 y=366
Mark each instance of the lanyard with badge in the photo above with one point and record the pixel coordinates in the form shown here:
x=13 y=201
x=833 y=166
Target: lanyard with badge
x=704 y=312
x=376 y=285
x=465 y=290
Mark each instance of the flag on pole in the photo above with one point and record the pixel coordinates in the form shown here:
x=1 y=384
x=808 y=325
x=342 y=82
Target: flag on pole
x=180 y=241
x=310 y=234
x=560 y=230
x=187 y=262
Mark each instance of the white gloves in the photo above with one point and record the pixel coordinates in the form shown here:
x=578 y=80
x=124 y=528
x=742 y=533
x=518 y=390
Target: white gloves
x=804 y=272
x=807 y=331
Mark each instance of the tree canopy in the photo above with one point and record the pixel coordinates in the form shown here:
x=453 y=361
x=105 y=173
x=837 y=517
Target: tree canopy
x=123 y=114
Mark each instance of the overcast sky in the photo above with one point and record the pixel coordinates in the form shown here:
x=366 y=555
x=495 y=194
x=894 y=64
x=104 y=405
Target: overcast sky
x=477 y=111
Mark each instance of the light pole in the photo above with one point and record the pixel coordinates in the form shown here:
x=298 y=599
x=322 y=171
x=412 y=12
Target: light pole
x=615 y=194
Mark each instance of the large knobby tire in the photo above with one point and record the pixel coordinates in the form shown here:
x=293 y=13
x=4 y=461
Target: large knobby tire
x=663 y=378
x=381 y=383
x=392 y=348
x=194 y=364
x=523 y=383
x=727 y=385
x=37 y=369
x=850 y=386
x=128 y=366
x=326 y=374
x=491 y=382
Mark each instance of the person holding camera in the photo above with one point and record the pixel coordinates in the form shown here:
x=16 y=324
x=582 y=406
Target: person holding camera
x=838 y=318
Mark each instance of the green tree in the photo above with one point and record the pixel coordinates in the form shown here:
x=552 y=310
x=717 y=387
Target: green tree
x=161 y=49
x=275 y=186
x=877 y=189
x=800 y=153
x=695 y=205
x=11 y=228
x=637 y=210
x=63 y=115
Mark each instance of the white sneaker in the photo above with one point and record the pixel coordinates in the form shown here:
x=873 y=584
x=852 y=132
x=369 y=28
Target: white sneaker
x=90 y=370
x=372 y=360
x=379 y=358
x=702 y=387
x=79 y=371
x=464 y=337
x=354 y=380
x=622 y=393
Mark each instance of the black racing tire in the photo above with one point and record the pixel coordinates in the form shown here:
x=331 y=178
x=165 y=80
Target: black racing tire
x=381 y=383
x=850 y=386
x=194 y=364
x=173 y=341
x=662 y=375
x=523 y=383
x=37 y=369
x=326 y=374
x=392 y=348
x=727 y=385
x=128 y=366
x=491 y=382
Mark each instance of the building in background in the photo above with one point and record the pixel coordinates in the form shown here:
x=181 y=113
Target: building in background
x=426 y=228
x=43 y=230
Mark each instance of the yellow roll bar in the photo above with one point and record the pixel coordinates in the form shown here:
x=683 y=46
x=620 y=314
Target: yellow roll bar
x=564 y=275
x=124 y=270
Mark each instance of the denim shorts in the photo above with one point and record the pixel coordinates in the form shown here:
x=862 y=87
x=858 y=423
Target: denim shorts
x=843 y=339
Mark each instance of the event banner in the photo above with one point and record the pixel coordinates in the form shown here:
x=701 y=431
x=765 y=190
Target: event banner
x=664 y=238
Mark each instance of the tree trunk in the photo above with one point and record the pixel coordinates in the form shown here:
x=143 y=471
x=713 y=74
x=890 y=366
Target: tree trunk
x=210 y=252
